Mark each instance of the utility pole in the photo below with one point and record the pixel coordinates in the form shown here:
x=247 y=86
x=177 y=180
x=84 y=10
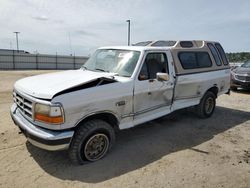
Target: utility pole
x=16 y=32
x=70 y=44
x=128 y=32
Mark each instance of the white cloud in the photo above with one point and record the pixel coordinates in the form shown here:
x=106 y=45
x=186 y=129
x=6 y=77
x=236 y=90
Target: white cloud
x=41 y=18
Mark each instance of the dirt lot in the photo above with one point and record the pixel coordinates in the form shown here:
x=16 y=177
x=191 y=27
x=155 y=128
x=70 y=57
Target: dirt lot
x=183 y=151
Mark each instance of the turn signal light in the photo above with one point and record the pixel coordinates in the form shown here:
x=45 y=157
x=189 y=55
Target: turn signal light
x=47 y=119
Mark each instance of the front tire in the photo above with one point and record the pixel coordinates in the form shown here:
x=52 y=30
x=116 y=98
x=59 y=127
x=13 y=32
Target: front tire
x=207 y=105
x=91 y=142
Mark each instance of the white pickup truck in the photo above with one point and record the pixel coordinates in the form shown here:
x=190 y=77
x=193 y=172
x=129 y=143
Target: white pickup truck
x=118 y=88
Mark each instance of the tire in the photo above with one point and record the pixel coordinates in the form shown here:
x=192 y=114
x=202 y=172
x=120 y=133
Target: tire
x=207 y=105
x=91 y=141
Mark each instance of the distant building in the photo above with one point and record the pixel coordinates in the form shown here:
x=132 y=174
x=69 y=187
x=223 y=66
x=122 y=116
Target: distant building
x=9 y=51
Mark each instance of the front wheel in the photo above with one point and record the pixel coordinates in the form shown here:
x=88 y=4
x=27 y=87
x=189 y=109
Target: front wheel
x=207 y=105
x=91 y=142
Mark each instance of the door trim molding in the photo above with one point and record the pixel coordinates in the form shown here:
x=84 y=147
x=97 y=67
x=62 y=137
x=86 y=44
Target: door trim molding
x=147 y=110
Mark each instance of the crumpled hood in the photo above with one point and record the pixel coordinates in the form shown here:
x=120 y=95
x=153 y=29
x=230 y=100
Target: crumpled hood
x=242 y=70
x=45 y=86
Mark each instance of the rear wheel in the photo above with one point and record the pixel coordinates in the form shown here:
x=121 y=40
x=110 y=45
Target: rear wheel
x=207 y=105
x=91 y=142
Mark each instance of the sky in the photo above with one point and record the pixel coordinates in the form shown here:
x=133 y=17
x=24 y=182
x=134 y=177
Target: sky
x=80 y=26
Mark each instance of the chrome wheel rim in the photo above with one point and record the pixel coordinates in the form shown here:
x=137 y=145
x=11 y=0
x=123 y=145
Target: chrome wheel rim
x=96 y=147
x=209 y=105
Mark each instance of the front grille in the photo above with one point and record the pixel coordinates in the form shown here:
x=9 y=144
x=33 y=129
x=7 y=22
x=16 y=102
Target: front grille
x=24 y=105
x=243 y=78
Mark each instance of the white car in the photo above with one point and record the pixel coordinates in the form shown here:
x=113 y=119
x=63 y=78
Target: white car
x=118 y=88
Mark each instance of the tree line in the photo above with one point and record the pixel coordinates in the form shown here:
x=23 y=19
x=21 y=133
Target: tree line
x=238 y=57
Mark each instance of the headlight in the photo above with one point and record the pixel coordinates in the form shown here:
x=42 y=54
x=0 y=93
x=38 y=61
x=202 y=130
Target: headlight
x=49 y=114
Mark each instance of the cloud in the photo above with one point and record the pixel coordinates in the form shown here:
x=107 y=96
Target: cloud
x=58 y=21
x=41 y=18
x=47 y=24
x=85 y=33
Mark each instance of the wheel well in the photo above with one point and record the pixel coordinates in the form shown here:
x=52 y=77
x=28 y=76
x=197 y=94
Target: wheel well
x=214 y=90
x=107 y=117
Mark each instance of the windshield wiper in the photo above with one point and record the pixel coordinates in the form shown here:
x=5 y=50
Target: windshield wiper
x=84 y=67
x=101 y=70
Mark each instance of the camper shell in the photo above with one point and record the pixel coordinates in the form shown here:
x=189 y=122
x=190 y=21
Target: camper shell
x=177 y=47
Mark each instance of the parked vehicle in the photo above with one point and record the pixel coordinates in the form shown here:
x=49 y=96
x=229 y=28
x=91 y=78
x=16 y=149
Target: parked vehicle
x=118 y=88
x=240 y=76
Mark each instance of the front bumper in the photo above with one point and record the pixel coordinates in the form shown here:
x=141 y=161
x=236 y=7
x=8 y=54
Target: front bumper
x=40 y=137
x=237 y=83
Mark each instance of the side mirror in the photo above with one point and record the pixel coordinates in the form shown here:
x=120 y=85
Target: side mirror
x=162 y=76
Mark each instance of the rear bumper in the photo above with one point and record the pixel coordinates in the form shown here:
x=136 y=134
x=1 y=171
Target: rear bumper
x=40 y=137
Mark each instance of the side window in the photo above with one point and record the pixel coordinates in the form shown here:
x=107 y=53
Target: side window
x=154 y=63
x=144 y=75
x=193 y=60
x=203 y=60
x=188 y=60
x=222 y=53
x=215 y=54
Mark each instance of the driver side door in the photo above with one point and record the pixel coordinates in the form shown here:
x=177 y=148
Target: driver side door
x=150 y=94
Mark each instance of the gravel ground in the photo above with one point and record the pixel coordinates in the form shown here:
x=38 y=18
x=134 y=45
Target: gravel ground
x=177 y=151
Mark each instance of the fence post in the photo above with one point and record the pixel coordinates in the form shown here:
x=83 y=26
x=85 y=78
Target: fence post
x=14 y=67
x=74 y=61
x=36 y=61
x=56 y=60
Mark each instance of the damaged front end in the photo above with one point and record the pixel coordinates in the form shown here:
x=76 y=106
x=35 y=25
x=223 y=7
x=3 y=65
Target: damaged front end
x=93 y=83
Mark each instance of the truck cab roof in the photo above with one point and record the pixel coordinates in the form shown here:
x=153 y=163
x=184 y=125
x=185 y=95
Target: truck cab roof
x=187 y=50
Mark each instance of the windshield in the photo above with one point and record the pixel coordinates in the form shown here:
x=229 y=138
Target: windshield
x=246 y=64
x=122 y=62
